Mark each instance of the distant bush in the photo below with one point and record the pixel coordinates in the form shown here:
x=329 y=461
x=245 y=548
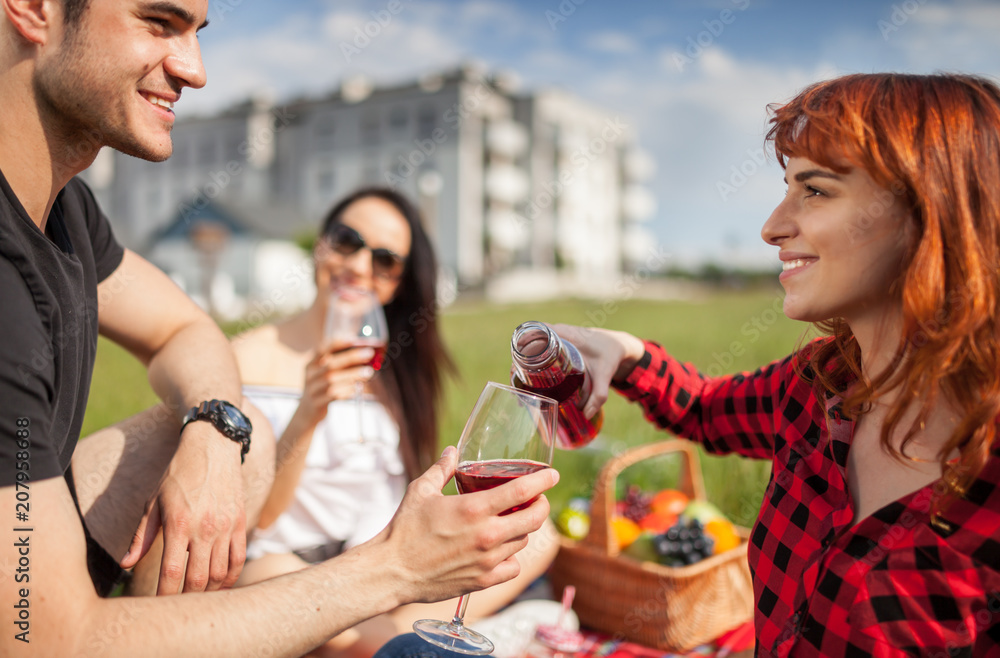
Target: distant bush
x=720 y=276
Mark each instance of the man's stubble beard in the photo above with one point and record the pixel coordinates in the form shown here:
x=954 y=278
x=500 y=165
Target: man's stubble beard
x=75 y=109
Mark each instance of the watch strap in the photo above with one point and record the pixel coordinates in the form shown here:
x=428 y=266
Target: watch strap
x=216 y=412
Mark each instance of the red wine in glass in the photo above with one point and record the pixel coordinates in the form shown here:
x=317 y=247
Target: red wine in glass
x=479 y=476
x=355 y=315
x=510 y=433
x=378 y=358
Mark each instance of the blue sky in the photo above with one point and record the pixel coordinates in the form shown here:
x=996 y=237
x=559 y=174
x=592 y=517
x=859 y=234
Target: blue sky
x=691 y=78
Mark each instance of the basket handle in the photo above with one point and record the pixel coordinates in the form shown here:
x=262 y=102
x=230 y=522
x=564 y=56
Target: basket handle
x=602 y=504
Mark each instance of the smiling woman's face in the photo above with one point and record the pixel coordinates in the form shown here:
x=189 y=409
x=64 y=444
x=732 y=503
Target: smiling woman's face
x=843 y=242
x=381 y=226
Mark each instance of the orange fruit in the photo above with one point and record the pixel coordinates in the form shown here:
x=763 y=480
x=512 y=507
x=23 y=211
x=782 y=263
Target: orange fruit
x=724 y=533
x=625 y=530
x=670 y=501
x=657 y=522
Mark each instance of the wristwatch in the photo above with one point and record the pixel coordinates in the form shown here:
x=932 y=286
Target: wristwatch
x=226 y=418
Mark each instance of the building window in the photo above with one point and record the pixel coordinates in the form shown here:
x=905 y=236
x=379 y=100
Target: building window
x=234 y=144
x=370 y=129
x=325 y=179
x=427 y=121
x=323 y=132
x=398 y=120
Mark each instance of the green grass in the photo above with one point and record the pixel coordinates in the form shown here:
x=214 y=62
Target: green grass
x=118 y=390
x=725 y=332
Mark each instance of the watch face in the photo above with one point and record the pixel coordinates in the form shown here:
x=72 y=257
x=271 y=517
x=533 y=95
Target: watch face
x=235 y=417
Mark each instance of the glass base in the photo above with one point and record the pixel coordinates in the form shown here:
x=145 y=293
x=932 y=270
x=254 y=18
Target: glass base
x=452 y=636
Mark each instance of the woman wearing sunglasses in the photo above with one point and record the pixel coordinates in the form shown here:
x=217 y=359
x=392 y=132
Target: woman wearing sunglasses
x=332 y=490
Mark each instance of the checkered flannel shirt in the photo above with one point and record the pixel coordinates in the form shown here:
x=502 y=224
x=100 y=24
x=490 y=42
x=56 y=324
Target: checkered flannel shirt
x=894 y=584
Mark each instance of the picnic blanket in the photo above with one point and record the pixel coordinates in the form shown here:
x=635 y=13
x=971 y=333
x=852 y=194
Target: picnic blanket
x=513 y=629
x=733 y=643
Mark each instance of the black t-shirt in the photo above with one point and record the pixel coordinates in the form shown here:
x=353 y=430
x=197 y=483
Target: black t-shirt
x=48 y=326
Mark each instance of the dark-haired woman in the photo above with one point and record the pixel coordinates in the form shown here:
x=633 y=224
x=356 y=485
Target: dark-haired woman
x=333 y=490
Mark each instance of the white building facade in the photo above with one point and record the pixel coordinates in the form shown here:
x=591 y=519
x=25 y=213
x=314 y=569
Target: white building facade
x=523 y=195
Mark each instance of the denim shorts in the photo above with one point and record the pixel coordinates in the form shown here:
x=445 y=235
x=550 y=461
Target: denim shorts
x=411 y=645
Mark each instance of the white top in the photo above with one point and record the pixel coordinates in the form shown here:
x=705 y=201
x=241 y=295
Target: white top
x=349 y=489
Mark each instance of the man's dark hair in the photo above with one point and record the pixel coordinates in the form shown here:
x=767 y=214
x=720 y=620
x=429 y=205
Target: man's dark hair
x=72 y=11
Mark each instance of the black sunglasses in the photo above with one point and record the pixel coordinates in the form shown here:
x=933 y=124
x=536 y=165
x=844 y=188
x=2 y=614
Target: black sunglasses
x=385 y=262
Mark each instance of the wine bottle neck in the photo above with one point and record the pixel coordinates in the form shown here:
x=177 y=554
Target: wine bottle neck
x=534 y=346
x=540 y=359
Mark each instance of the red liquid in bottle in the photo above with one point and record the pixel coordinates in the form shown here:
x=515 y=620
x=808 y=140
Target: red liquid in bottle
x=479 y=476
x=546 y=365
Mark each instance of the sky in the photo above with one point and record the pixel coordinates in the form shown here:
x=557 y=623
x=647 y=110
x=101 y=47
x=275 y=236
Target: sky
x=691 y=78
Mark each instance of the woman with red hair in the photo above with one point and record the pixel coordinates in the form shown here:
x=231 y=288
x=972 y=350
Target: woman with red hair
x=879 y=532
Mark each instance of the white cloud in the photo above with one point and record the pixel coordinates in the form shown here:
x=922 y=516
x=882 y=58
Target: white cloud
x=616 y=43
x=705 y=127
x=955 y=36
x=980 y=16
x=279 y=61
x=340 y=25
x=305 y=54
x=487 y=12
x=738 y=89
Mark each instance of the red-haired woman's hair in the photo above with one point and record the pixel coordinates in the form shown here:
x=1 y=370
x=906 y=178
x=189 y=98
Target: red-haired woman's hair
x=933 y=141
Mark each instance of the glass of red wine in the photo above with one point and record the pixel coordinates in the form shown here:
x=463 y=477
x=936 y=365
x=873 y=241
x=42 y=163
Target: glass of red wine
x=510 y=433
x=354 y=318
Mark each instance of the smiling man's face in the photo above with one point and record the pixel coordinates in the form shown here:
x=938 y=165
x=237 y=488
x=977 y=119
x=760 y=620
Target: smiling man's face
x=112 y=80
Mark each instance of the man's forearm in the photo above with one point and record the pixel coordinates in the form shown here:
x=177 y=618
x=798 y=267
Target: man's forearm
x=435 y=547
x=196 y=364
x=285 y=616
x=200 y=501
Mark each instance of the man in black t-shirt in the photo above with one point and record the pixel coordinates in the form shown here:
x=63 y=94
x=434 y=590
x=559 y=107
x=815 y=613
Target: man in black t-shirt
x=64 y=279
x=76 y=75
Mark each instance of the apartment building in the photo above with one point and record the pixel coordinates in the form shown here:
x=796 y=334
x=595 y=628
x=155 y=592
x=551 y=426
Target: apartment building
x=524 y=195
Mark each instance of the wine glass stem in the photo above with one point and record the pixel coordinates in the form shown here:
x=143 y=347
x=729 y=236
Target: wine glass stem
x=463 y=603
x=358 y=390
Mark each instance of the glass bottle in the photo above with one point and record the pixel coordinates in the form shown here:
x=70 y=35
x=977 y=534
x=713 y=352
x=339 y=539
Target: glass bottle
x=543 y=363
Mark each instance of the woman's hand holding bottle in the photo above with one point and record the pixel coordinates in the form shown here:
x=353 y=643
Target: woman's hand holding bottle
x=610 y=356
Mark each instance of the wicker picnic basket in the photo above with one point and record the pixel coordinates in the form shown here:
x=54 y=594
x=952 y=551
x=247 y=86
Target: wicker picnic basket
x=667 y=608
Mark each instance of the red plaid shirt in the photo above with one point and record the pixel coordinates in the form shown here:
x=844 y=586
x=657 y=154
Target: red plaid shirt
x=894 y=584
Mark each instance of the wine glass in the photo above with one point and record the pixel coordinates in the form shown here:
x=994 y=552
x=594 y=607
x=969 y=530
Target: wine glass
x=510 y=433
x=355 y=316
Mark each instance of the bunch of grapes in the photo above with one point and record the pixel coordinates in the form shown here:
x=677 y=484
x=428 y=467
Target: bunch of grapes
x=636 y=503
x=683 y=544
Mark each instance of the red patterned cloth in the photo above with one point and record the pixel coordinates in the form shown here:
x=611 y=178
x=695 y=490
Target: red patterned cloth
x=598 y=645
x=894 y=584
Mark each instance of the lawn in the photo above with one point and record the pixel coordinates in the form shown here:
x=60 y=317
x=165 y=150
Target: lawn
x=723 y=332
